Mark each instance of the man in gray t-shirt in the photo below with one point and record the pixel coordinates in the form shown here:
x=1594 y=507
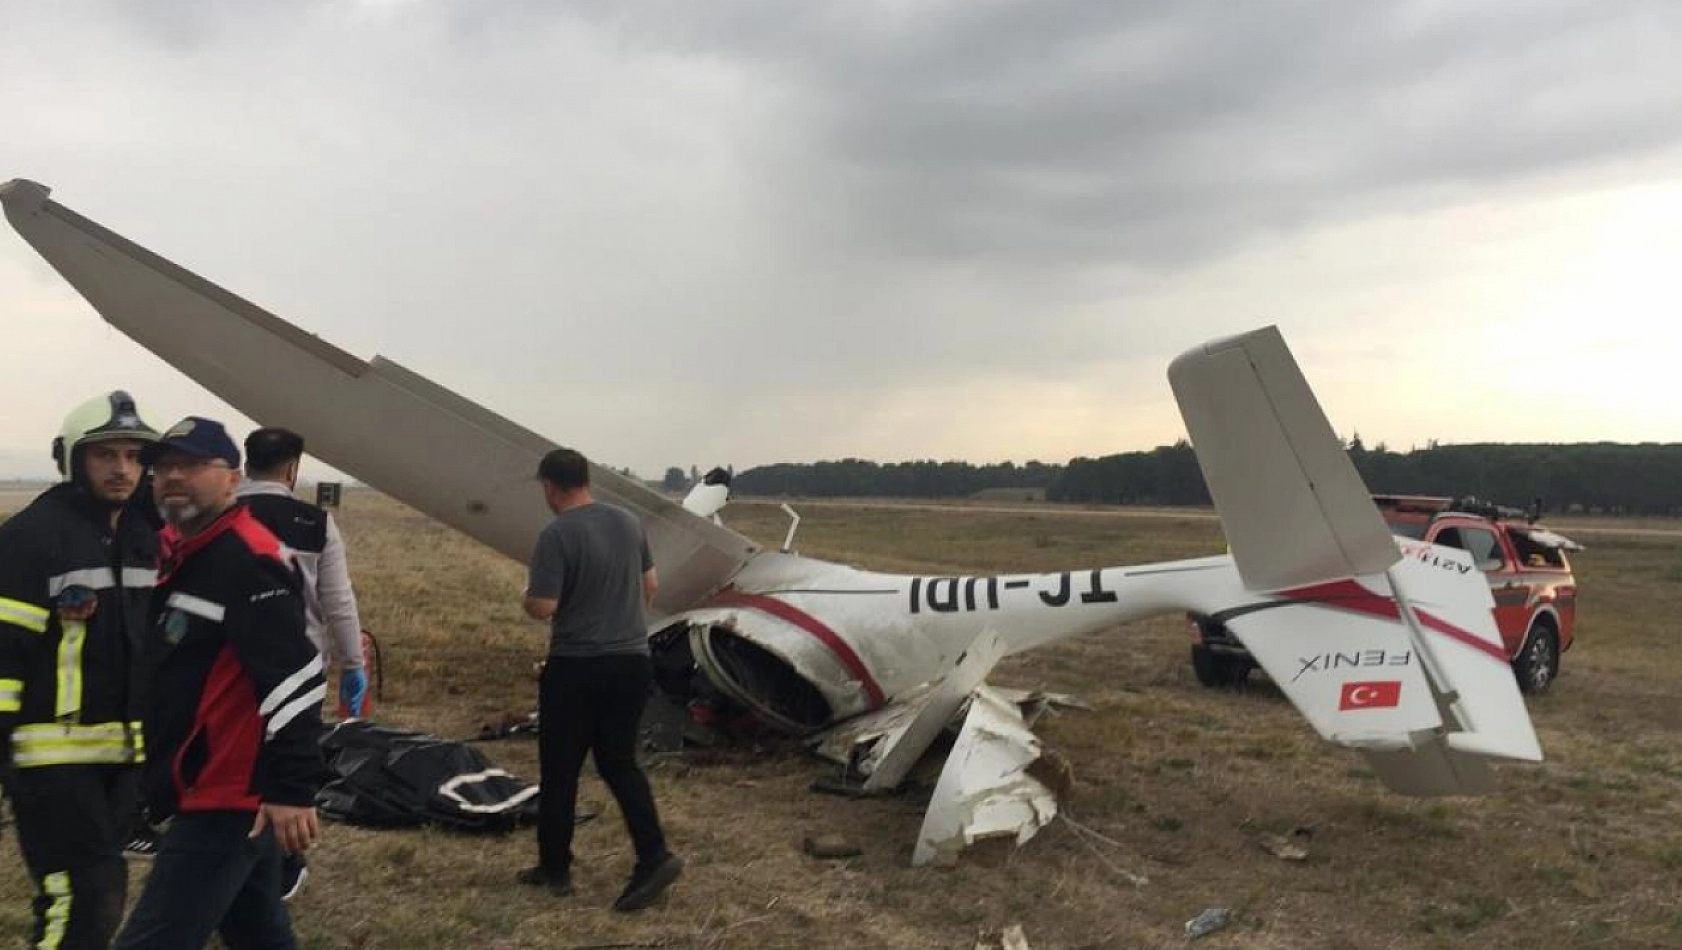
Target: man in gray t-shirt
x=591 y=576
x=593 y=561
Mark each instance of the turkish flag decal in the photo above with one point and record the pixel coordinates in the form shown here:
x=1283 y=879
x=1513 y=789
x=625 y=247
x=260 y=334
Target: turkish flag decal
x=1370 y=695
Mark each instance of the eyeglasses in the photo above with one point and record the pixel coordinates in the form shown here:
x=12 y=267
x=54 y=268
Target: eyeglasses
x=186 y=466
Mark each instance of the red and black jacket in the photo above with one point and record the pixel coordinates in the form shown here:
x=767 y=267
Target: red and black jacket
x=235 y=716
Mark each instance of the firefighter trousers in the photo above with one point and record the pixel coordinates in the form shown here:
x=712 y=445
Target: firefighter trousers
x=72 y=821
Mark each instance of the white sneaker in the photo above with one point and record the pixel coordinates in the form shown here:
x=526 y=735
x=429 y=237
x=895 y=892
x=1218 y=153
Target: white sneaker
x=293 y=873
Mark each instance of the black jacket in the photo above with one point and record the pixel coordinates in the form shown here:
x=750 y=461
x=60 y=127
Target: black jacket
x=235 y=719
x=71 y=691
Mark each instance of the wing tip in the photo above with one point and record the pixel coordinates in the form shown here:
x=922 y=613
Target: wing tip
x=23 y=196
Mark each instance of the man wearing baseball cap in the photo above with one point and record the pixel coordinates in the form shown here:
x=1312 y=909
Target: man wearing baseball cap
x=232 y=724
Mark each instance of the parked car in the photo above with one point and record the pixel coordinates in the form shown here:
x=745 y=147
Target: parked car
x=1529 y=576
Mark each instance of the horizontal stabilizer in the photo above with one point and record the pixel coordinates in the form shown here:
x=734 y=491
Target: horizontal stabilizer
x=1426 y=698
x=1342 y=656
x=1293 y=507
x=1453 y=622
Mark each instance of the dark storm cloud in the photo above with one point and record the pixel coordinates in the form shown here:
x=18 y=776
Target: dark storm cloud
x=1159 y=133
x=805 y=224
x=1070 y=133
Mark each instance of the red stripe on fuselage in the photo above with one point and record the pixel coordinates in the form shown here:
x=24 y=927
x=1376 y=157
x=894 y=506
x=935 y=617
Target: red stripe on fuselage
x=812 y=625
x=1350 y=595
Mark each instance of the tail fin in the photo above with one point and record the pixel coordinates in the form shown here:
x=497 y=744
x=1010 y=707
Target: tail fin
x=1294 y=509
x=1396 y=657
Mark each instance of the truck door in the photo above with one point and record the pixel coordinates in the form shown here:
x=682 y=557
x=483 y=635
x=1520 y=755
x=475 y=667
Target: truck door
x=1511 y=591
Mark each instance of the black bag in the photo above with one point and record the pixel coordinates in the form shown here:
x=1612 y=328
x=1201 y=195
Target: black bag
x=388 y=778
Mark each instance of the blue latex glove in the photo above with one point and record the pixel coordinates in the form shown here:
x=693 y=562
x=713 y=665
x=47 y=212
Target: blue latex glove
x=353 y=689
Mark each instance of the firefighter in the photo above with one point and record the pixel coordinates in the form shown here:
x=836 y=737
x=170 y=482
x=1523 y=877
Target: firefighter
x=77 y=568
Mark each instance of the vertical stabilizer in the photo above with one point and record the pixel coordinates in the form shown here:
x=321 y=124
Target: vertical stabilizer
x=1294 y=509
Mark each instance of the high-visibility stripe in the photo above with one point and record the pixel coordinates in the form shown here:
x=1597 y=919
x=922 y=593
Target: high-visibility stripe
x=289 y=686
x=23 y=614
x=93 y=578
x=291 y=710
x=197 y=606
x=71 y=637
x=105 y=743
x=56 y=887
x=73 y=754
x=11 y=695
x=101 y=578
x=39 y=731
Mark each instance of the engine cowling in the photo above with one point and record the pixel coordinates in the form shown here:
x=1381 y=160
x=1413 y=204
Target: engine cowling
x=763 y=663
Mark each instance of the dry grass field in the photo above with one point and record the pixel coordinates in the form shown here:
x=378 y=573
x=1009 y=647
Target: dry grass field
x=1174 y=784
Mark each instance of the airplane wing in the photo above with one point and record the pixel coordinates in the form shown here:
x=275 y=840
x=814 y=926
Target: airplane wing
x=382 y=424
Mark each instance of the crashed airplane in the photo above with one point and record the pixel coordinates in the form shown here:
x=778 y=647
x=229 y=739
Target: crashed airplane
x=887 y=661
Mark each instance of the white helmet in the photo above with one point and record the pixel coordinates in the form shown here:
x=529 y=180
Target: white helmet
x=108 y=416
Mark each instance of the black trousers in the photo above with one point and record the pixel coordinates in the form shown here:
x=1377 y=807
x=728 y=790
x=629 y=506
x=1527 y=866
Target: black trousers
x=593 y=705
x=211 y=876
x=72 y=821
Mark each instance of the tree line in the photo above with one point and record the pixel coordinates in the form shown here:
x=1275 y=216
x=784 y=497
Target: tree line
x=857 y=478
x=1607 y=477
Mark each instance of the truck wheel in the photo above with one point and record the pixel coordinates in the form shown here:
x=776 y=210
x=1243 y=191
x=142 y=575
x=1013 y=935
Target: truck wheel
x=1537 y=663
x=1217 y=671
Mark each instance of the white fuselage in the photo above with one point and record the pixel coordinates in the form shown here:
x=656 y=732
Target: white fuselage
x=862 y=638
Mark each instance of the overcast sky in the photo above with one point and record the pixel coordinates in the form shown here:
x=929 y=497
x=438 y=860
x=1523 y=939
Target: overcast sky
x=729 y=232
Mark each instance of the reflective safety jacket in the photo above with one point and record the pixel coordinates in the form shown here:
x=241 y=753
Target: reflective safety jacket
x=71 y=690
x=235 y=718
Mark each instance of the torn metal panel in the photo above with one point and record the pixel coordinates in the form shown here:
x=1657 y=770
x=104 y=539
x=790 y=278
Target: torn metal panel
x=1011 y=937
x=856 y=742
x=985 y=790
x=1035 y=703
x=894 y=756
x=853 y=740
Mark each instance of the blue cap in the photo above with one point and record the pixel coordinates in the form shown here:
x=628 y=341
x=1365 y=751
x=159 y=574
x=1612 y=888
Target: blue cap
x=196 y=436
